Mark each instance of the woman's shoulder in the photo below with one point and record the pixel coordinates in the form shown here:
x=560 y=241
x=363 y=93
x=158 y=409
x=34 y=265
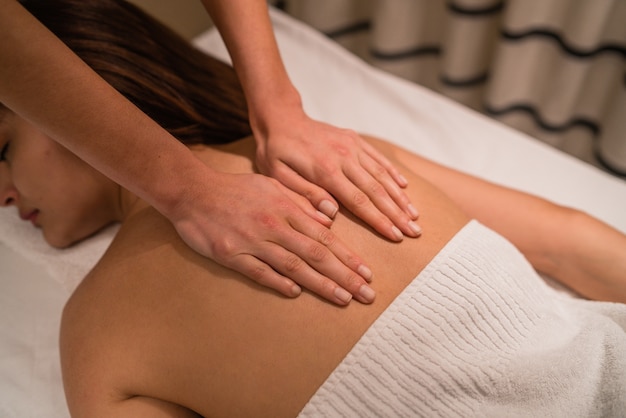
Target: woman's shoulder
x=131 y=254
x=121 y=297
x=123 y=270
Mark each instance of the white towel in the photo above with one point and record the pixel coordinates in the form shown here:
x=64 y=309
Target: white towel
x=67 y=266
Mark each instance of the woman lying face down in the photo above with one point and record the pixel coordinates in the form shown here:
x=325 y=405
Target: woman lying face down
x=461 y=324
x=156 y=329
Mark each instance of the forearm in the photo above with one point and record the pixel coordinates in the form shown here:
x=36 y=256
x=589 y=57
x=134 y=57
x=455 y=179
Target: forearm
x=566 y=244
x=246 y=29
x=594 y=261
x=47 y=84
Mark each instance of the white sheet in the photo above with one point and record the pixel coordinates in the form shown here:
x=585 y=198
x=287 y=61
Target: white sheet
x=338 y=88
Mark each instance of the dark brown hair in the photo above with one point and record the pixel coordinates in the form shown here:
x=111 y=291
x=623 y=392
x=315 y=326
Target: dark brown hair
x=195 y=97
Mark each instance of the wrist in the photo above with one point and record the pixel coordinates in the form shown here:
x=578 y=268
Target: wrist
x=273 y=109
x=184 y=183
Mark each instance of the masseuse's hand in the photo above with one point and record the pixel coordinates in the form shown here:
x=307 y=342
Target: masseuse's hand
x=256 y=226
x=316 y=160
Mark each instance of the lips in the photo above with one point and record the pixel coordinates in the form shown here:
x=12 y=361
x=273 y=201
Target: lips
x=30 y=216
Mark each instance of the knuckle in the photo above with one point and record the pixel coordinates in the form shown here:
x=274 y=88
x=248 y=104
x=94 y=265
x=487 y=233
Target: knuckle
x=317 y=252
x=352 y=282
x=259 y=274
x=378 y=171
x=403 y=199
x=327 y=168
x=360 y=199
x=224 y=249
x=352 y=261
x=326 y=237
x=293 y=263
x=377 y=189
x=342 y=149
x=326 y=288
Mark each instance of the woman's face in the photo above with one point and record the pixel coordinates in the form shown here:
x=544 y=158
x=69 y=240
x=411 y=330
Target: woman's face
x=50 y=186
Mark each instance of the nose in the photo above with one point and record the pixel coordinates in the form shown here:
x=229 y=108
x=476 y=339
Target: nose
x=8 y=192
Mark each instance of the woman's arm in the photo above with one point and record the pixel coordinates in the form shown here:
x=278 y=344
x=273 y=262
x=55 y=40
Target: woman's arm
x=47 y=84
x=568 y=245
x=314 y=159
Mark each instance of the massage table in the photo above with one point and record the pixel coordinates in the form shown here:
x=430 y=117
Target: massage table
x=36 y=280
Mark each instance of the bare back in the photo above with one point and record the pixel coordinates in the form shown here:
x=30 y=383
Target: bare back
x=155 y=322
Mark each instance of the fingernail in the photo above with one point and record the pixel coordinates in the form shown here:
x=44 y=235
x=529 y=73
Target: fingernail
x=403 y=181
x=365 y=272
x=327 y=208
x=397 y=233
x=412 y=211
x=415 y=228
x=343 y=295
x=367 y=293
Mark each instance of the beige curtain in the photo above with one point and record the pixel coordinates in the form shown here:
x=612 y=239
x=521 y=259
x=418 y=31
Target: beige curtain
x=555 y=69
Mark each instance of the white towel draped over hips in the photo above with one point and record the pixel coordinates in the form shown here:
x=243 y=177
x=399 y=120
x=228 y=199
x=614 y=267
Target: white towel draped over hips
x=479 y=333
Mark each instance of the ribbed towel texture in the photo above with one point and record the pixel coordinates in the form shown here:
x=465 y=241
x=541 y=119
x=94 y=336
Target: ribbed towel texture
x=478 y=333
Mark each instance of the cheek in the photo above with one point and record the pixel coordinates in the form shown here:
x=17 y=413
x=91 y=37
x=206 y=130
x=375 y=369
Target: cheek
x=77 y=214
x=71 y=196
x=72 y=215
x=34 y=172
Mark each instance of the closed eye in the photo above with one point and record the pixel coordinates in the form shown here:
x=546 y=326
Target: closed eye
x=3 y=152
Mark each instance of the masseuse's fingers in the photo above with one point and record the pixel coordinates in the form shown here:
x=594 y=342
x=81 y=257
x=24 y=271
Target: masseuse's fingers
x=316 y=195
x=263 y=274
x=286 y=263
x=272 y=235
x=398 y=178
x=358 y=202
x=330 y=257
x=379 y=167
x=383 y=195
x=326 y=257
x=303 y=193
x=371 y=172
x=312 y=256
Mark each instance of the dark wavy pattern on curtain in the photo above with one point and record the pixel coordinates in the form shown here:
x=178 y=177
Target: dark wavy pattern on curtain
x=416 y=52
x=548 y=34
x=355 y=27
x=507 y=35
x=497 y=7
x=530 y=109
x=608 y=166
x=465 y=82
